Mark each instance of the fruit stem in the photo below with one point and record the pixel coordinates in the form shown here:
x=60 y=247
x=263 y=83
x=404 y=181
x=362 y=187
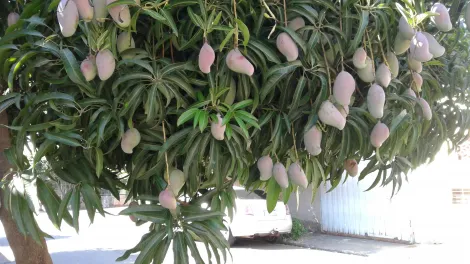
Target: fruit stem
x=371 y=51
x=285 y=14
x=327 y=67
x=235 y=39
x=341 y=28
x=167 y=174
x=171 y=51
x=293 y=138
x=382 y=51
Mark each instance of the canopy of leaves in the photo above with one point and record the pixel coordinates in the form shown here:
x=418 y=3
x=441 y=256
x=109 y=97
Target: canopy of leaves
x=55 y=114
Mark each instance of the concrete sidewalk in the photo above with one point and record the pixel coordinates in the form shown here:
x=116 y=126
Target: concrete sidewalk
x=385 y=252
x=345 y=245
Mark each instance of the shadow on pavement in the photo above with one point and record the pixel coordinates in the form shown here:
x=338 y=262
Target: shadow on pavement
x=259 y=243
x=4 y=240
x=99 y=256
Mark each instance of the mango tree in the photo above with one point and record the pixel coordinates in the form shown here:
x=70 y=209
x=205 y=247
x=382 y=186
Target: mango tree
x=176 y=101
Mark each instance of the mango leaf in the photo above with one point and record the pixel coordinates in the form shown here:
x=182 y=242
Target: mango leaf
x=273 y=190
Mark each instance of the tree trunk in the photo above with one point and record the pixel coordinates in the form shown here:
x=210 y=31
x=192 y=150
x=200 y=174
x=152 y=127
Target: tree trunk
x=25 y=249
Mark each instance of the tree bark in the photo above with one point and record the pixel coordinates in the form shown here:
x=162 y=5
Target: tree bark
x=25 y=249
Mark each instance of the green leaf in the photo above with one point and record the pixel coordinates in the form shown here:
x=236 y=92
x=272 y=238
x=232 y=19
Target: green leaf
x=153 y=241
x=63 y=213
x=376 y=181
x=53 y=5
x=202 y=216
x=193 y=248
x=50 y=200
x=62 y=138
x=186 y=116
x=99 y=161
x=75 y=204
x=121 y=2
x=21 y=33
x=169 y=20
x=154 y=14
x=195 y=18
x=43 y=97
x=266 y=50
x=245 y=32
x=8 y=47
x=242 y=104
x=180 y=250
x=273 y=190
x=73 y=70
x=226 y=39
x=203 y=120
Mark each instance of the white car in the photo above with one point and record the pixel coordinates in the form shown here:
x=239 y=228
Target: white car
x=252 y=219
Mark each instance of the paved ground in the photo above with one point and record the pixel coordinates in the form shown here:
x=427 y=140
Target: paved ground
x=346 y=245
x=386 y=252
x=108 y=238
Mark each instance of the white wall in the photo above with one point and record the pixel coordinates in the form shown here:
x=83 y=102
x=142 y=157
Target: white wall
x=422 y=211
x=303 y=208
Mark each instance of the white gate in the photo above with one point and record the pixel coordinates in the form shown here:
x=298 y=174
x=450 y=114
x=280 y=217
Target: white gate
x=349 y=210
x=424 y=210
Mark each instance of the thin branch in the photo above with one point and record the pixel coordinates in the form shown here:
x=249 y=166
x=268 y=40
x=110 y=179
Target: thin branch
x=167 y=174
x=371 y=51
x=295 y=146
x=285 y=14
x=327 y=67
x=235 y=39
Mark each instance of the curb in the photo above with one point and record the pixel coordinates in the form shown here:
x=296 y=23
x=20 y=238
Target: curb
x=298 y=244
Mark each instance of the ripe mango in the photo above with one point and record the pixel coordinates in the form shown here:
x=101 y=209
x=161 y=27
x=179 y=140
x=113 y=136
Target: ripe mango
x=280 y=175
x=67 y=15
x=366 y=74
x=427 y=113
x=125 y=41
x=417 y=81
x=312 y=140
x=130 y=140
x=442 y=21
x=217 y=129
x=100 y=10
x=177 y=181
x=405 y=30
x=265 y=167
x=414 y=65
x=379 y=134
x=206 y=58
x=434 y=47
x=329 y=115
x=419 y=48
x=393 y=64
x=88 y=68
x=238 y=63
x=120 y=14
x=351 y=167
x=297 y=175
x=344 y=87
x=105 y=64
x=286 y=45
x=401 y=45
x=167 y=199
x=85 y=10
x=376 y=101
x=13 y=18
x=360 y=58
x=296 y=23
x=383 y=76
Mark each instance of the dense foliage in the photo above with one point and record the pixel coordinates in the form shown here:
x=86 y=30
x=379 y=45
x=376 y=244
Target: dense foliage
x=157 y=88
